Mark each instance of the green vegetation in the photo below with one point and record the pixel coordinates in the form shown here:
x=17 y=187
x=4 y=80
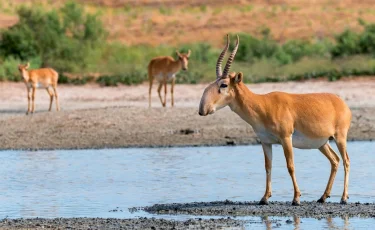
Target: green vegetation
x=73 y=41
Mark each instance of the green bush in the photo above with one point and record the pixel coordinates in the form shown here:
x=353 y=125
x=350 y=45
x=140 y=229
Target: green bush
x=251 y=48
x=129 y=78
x=75 y=81
x=9 y=70
x=62 y=39
x=347 y=43
x=189 y=77
x=367 y=40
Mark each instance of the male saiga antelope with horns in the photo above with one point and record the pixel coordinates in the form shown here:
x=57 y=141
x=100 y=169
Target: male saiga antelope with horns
x=305 y=121
x=164 y=69
x=39 y=78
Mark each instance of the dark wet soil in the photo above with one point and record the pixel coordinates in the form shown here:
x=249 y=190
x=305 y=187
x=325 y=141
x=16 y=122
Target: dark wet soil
x=111 y=223
x=230 y=208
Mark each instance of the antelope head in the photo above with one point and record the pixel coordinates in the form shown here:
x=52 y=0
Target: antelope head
x=23 y=70
x=184 y=59
x=221 y=92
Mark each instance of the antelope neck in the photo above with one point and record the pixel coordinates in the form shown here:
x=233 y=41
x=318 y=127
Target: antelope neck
x=247 y=104
x=25 y=75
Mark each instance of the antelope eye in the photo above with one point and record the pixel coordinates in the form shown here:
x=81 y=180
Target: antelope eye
x=223 y=86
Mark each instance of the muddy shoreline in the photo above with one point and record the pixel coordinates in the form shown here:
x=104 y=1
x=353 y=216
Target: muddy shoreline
x=275 y=208
x=112 y=223
x=224 y=214
x=121 y=127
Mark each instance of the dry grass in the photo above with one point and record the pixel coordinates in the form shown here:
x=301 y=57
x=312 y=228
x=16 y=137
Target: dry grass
x=175 y=22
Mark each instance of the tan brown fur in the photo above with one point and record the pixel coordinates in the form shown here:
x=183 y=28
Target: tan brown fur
x=164 y=69
x=304 y=120
x=39 y=78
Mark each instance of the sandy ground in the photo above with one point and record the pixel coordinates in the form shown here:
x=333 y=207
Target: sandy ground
x=97 y=117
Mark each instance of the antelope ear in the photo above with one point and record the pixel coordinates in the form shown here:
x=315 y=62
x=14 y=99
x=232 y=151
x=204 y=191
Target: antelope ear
x=27 y=65
x=188 y=54
x=178 y=53
x=238 y=77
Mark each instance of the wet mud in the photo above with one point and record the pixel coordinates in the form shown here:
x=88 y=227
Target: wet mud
x=112 y=223
x=230 y=208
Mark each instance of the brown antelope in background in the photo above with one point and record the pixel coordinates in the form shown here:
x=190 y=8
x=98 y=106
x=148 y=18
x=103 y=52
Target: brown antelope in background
x=305 y=121
x=164 y=69
x=39 y=78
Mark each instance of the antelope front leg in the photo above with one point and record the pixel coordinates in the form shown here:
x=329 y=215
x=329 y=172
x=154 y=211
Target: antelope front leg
x=56 y=98
x=159 y=92
x=149 y=92
x=50 y=93
x=288 y=152
x=28 y=101
x=267 y=149
x=165 y=93
x=172 y=89
x=33 y=99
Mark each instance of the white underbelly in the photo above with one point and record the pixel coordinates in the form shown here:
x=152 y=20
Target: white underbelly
x=303 y=142
x=299 y=140
x=38 y=85
x=160 y=77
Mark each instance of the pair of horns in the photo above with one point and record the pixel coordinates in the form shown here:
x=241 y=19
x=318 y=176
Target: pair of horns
x=188 y=53
x=219 y=73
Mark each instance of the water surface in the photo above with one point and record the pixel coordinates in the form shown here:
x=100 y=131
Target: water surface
x=91 y=183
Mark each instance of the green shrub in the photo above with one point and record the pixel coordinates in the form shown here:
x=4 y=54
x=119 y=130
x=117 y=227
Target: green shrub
x=62 y=39
x=9 y=70
x=347 y=43
x=129 y=78
x=63 y=79
x=251 y=48
x=367 y=40
x=189 y=77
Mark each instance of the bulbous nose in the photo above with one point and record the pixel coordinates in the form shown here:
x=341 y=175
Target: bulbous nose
x=200 y=113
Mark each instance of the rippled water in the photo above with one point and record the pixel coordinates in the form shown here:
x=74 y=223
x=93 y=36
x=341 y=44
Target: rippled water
x=90 y=183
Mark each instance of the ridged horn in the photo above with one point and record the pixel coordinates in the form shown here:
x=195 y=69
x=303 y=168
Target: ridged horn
x=231 y=58
x=220 y=59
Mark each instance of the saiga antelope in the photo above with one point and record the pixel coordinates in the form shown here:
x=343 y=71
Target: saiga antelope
x=305 y=121
x=39 y=78
x=164 y=69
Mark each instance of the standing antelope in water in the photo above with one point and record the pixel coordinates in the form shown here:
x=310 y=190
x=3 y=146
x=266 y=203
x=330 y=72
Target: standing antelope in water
x=305 y=121
x=39 y=78
x=164 y=69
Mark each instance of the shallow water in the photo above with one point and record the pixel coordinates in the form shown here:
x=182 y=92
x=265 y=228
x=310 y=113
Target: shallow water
x=92 y=183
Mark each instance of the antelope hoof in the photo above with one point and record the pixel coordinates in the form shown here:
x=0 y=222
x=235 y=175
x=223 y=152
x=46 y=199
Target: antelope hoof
x=322 y=199
x=263 y=201
x=343 y=201
x=295 y=203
